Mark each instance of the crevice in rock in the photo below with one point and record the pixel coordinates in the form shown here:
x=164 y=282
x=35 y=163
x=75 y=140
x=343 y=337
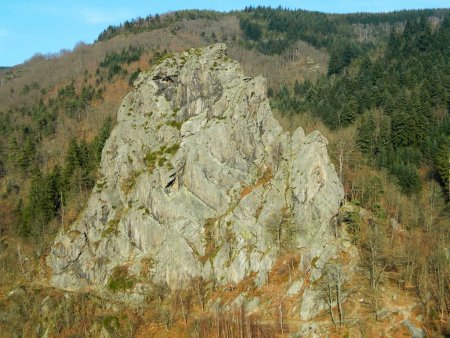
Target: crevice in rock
x=171 y=182
x=78 y=256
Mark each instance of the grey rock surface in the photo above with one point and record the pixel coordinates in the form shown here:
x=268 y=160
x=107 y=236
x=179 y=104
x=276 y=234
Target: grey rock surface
x=415 y=331
x=295 y=288
x=199 y=179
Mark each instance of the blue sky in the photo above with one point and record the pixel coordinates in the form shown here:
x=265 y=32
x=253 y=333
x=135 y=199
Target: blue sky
x=47 y=26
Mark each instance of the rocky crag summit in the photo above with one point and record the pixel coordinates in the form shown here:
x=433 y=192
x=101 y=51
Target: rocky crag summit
x=199 y=180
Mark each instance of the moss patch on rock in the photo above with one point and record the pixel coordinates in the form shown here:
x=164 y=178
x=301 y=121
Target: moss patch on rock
x=120 y=280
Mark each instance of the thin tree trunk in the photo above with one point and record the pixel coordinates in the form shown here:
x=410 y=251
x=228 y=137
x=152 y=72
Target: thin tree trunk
x=62 y=209
x=330 y=304
x=339 y=303
x=20 y=259
x=241 y=322
x=280 y=312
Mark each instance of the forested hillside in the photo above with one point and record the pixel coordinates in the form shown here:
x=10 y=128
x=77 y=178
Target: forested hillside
x=376 y=85
x=401 y=90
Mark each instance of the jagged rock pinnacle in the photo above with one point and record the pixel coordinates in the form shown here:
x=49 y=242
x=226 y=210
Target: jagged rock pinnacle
x=199 y=180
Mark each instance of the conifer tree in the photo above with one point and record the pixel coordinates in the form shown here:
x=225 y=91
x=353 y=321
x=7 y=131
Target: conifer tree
x=365 y=134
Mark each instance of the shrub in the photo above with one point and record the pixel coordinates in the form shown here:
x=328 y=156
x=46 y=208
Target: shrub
x=120 y=280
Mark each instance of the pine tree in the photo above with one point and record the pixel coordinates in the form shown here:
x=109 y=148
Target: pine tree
x=384 y=144
x=349 y=112
x=41 y=206
x=72 y=158
x=442 y=162
x=401 y=130
x=100 y=139
x=365 y=134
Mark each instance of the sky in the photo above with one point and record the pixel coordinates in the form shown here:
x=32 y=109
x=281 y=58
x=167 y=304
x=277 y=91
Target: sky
x=28 y=27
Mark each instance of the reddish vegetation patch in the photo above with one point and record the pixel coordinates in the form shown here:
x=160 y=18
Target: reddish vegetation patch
x=284 y=269
x=263 y=180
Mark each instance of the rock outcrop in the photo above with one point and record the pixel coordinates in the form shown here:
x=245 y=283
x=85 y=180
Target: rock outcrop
x=199 y=180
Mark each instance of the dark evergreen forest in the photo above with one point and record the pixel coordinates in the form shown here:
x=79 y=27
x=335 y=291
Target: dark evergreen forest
x=395 y=86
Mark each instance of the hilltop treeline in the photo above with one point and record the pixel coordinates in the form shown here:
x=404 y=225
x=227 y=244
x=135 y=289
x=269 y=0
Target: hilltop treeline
x=152 y=22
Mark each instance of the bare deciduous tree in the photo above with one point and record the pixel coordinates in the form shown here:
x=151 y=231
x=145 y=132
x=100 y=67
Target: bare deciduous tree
x=374 y=259
x=333 y=290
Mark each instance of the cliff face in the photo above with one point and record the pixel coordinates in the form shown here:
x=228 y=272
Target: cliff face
x=199 y=180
